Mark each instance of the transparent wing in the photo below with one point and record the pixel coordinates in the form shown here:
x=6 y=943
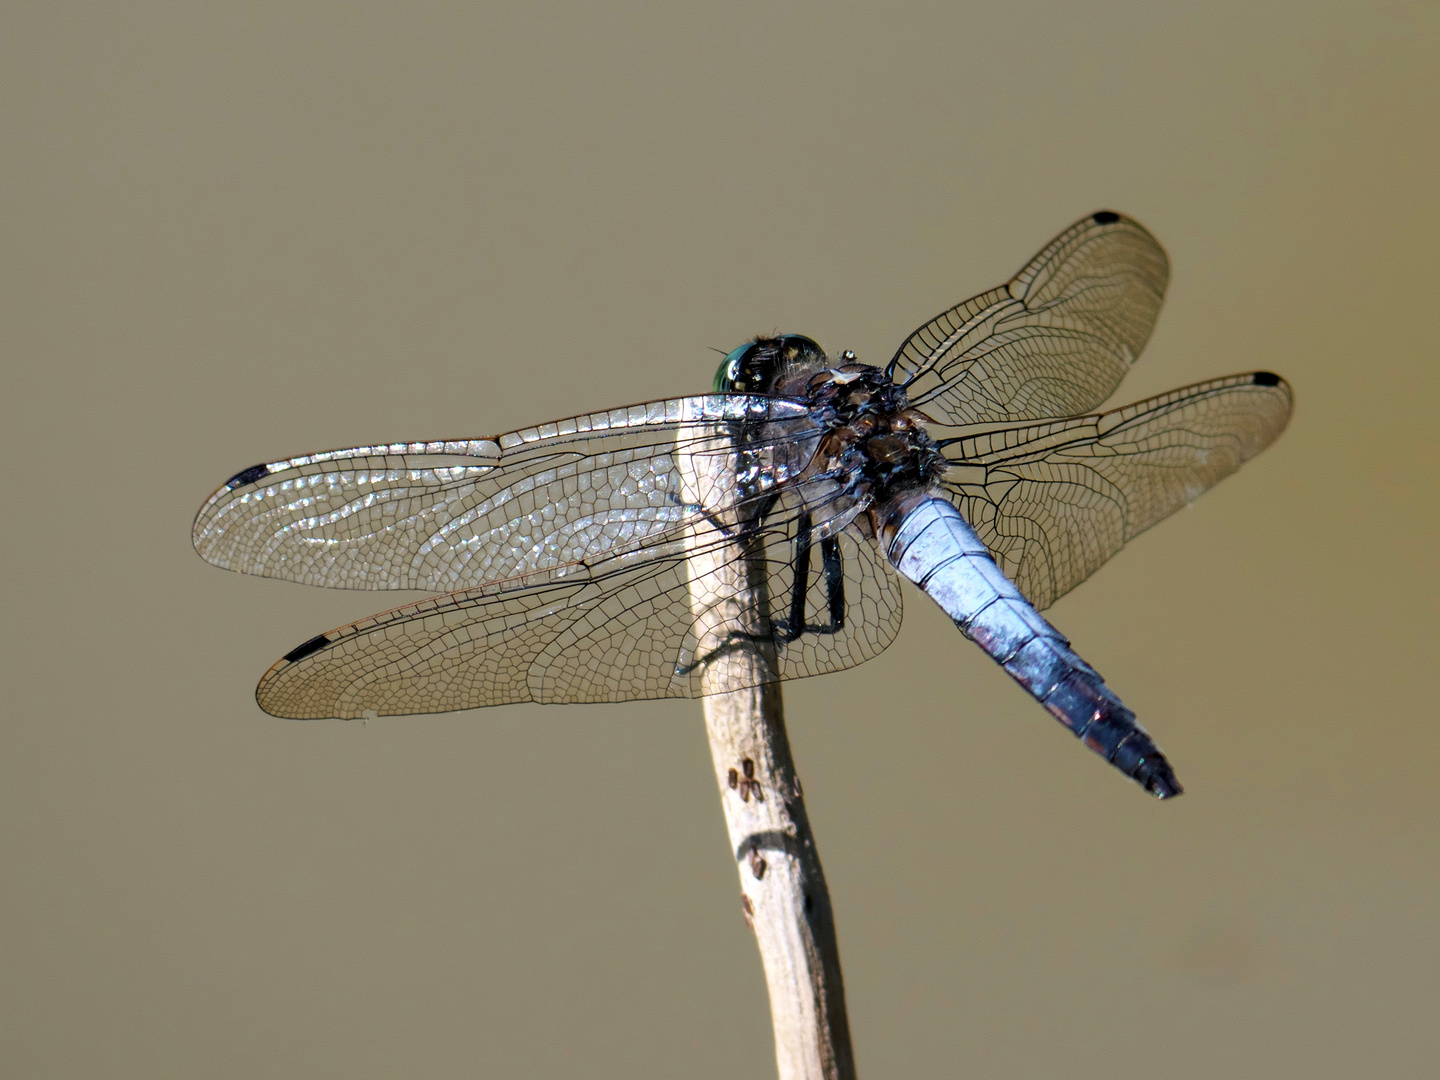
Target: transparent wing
x=447 y=515
x=1054 y=341
x=1053 y=501
x=626 y=630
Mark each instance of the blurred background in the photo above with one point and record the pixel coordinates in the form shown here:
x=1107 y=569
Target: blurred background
x=237 y=232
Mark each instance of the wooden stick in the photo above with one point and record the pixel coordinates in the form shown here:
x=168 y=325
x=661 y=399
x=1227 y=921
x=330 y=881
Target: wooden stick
x=782 y=887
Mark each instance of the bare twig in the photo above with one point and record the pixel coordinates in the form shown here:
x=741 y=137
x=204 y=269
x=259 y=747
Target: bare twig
x=783 y=889
x=782 y=886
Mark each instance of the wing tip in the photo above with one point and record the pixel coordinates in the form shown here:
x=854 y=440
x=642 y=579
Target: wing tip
x=274 y=692
x=247 y=476
x=199 y=528
x=306 y=648
x=1268 y=380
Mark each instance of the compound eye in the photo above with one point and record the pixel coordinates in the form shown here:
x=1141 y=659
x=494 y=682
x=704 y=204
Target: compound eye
x=802 y=345
x=732 y=368
x=754 y=367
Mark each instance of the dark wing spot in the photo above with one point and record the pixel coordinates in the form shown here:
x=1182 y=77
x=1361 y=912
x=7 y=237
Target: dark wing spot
x=1106 y=217
x=1266 y=378
x=249 y=476
x=314 y=645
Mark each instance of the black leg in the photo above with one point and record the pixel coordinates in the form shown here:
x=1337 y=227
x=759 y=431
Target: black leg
x=749 y=526
x=834 y=582
x=834 y=564
x=784 y=631
x=718 y=525
x=793 y=627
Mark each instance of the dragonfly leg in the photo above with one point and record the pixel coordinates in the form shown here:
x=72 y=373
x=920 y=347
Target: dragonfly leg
x=784 y=631
x=794 y=626
x=746 y=527
x=699 y=508
x=833 y=563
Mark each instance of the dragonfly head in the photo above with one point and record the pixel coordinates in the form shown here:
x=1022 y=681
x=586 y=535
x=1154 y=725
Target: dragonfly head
x=757 y=366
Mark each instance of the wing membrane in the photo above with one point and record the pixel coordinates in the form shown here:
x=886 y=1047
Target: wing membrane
x=446 y=515
x=1053 y=501
x=623 y=631
x=1054 y=341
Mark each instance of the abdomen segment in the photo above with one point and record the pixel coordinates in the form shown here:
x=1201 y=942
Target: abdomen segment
x=938 y=551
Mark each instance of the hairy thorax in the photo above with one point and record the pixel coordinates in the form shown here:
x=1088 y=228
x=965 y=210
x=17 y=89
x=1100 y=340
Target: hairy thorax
x=875 y=447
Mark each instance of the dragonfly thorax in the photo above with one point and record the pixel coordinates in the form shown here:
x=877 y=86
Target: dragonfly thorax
x=874 y=439
x=875 y=444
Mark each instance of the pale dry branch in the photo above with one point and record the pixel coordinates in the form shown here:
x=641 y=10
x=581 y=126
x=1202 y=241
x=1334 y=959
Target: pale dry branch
x=783 y=891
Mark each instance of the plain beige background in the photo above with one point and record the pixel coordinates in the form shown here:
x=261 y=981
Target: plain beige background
x=236 y=232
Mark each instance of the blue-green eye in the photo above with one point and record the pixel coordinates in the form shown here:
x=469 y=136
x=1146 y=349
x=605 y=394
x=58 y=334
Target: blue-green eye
x=729 y=368
x=754 y=367
x=803 y=345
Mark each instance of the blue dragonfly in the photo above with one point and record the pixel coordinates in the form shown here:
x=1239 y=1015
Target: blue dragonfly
x=593 y=559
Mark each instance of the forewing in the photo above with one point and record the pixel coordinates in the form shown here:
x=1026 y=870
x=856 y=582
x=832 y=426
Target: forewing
x=1054 y=341
x=623 y=631
x=448 y=515
x=1053 y=501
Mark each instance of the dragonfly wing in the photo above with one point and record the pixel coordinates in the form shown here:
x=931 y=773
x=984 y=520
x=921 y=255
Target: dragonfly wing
x=1054 y=341
x=624 y=630
x=447 y=515
x=549 y=638
x=1053 y=501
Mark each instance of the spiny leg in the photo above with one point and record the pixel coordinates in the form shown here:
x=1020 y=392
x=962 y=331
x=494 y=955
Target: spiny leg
x=747 y=527
x=834 y=582
x=834 y=566
x=791 y=628
x=784 y=631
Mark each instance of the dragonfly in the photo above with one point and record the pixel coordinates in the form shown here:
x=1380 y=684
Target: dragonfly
x=633 y=553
